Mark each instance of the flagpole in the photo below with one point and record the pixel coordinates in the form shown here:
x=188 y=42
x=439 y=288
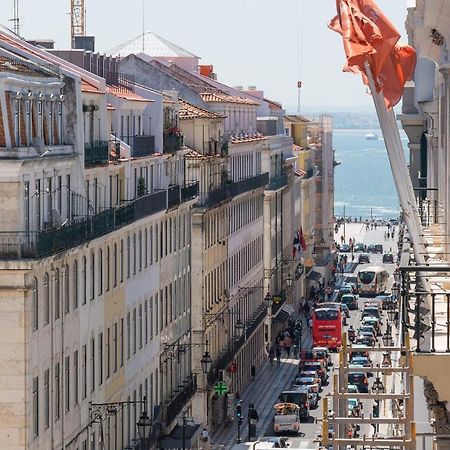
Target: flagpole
x=402 y=181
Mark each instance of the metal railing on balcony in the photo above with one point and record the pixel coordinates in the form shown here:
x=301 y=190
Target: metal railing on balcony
x=172 y=408
x=142 y=146
x=23 y=244
x=231 y=189
x=256 y=321
x=96 y=152
x=277 y=182
x=211 y=147
x=172 y=143
x=189 y=191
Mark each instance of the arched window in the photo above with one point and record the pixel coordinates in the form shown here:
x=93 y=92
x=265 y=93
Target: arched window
x=35 y=305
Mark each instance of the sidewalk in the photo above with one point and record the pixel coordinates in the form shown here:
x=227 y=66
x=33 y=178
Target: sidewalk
x=263 y=393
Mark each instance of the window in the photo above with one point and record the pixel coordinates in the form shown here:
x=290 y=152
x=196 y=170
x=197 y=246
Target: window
x=26 y=198
x=151 y=317
x=46 y=299
x=57 y=296
x=156 y=315
x=47 y=398
x=128 y=257
x=68 y=199
x=75 y=377
x=146 y=248
x=66 y=290
x=115 y=343
x=108 y=352
x=121 y=260
x=128 y=335
x=100 y=272
x=36 y=406
x=75 y=285
x=134 y=331
x=100 y=359
x=134 y=254
x=84 y=278
x=35 y=305
x=108 y=269
x=146 y=321
x=121 y=343
x=140 y=250
x=92 y=364
x=92 y=276
x=57 y=391
x=115 y=266
x=67 y=382
x=140 y=326
x=84 y=370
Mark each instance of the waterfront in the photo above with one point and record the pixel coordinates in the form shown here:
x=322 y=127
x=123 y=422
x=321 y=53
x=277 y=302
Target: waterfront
x=363 y=180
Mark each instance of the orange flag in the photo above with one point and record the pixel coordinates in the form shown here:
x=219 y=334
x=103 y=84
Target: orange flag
x=369 y=36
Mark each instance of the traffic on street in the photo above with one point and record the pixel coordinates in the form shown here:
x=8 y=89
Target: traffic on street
x=361 y=308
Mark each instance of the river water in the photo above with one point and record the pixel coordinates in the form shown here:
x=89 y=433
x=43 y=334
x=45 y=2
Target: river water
x=363 y=180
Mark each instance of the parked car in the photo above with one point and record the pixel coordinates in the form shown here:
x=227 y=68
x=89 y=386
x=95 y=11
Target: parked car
x=388 y=258
x=350 y=301
x=378 y=248
x=370 y=248
x=359 y=247
x=359 y=379
x=363 y=258
x=366 y=339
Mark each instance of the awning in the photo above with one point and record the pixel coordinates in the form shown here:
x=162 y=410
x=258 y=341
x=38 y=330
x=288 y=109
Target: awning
x=284 y=313
x=175 y=439
x=314 y=276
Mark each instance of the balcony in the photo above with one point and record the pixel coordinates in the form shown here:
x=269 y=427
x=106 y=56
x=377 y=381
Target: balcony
x=231 y=189
x=172 y=408
x=142 y=146
x=210 y=147
x=31 y=245
x=277 y=182
x=96 y=152
x=172 y=143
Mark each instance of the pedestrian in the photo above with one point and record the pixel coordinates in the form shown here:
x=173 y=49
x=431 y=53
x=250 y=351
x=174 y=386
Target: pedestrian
x=253 y=372
x=271 y=355
x=385 y=235
x=310 y=325
x=278 y=354
x=204 y=437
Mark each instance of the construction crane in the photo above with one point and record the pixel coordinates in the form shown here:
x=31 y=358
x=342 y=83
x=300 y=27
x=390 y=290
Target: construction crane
x=77 y=20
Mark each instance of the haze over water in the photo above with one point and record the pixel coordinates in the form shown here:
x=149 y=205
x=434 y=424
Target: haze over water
x=363 y=180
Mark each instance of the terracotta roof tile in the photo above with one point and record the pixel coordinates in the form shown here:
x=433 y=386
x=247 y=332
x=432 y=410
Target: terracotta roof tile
x=126 y=94
x=189 y=111
x=243 y=139
x=88 y=87
x=217 y=97
x=296 y=118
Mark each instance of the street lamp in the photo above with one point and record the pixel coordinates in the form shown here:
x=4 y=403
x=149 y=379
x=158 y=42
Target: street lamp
x=239 y=327
x=144 y=427
x=206 y=362
x=268 y=299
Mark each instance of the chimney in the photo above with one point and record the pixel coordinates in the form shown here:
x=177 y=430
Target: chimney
x=252 y=88
x=239 y=88
x=84 y=43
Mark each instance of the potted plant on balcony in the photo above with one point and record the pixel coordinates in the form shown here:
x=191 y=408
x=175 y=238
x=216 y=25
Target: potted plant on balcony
x=141 y=188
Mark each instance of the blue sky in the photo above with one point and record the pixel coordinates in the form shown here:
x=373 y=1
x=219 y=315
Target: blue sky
x=249 y=42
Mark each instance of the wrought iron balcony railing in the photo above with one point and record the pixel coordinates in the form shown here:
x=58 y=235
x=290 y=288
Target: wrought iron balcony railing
x=172 y=144
x=172 y=408
x=40 y=244
x=142 y=146
x=96 y=153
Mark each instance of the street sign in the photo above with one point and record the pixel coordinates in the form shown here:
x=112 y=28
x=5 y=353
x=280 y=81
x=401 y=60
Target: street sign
x=221 y=389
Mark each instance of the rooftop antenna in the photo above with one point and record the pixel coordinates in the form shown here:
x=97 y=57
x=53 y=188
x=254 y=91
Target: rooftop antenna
x=299 y=51
x=77 y=20
x=16 y=19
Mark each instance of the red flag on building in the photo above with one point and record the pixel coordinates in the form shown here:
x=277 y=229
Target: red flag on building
x=369 y=36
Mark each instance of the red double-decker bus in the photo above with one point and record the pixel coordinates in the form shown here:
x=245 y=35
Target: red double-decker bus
x=327 y=328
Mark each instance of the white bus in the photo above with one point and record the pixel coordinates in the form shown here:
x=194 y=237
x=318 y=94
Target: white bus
x=373 y=280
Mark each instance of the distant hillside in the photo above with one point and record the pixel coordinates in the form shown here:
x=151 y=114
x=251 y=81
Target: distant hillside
x=351 y=120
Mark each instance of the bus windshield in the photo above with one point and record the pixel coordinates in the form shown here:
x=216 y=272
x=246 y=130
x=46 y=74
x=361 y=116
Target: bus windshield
x=366 y=277
x=326 y=314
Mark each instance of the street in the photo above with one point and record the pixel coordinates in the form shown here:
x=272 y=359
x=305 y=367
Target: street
x=270 y=381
